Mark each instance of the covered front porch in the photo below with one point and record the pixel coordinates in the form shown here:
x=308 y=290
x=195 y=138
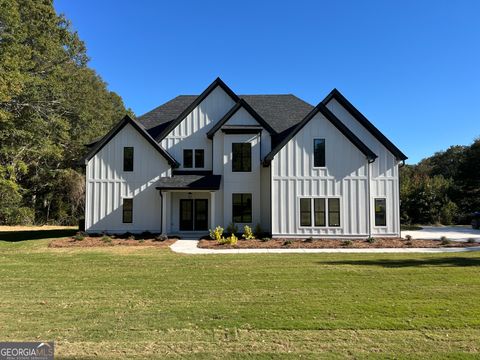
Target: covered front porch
x=188 y=204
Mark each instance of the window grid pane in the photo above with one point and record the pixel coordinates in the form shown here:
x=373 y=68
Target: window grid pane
x=128 y=159
x=127 y=210
x=242 y=208
x=305 y=212
x=199 y=158
x=241 y=157
x=319 y=212
x=380 y=212
x=187 y=158
x=334 y=212
x=319 y=152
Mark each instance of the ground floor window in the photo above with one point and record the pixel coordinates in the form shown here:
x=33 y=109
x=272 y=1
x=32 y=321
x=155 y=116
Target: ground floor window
x=127 y=210
x=380 y=212
x=320 y=211
x=242 y=208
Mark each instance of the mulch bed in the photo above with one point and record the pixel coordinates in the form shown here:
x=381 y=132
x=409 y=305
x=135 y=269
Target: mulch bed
x=97 y=241
x=331 y=244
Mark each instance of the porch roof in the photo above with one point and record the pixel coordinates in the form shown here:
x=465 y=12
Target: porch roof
x=190 y=182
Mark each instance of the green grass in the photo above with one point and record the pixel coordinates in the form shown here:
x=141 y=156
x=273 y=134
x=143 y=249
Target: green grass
x=121 y=302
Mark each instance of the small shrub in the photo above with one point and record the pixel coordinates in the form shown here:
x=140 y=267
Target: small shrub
x=247 y=233
x=106 y=239
x=258 y=231
x=471 y=241
x=232 y=228
x=141 y=241
x=445 y=241
x=287 y=242
x=78 y=236
x=309 y=239
x=146 y=235
x=217 y=233
x=131 y=237
x=347 y=242
x=161 y=237
x=371 y=240
x=408 y=237
x=265 y=239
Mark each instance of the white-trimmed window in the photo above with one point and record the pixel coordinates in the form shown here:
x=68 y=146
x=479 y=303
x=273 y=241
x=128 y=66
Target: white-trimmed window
x=381 y=212
x=319 y=211
x=127 y=210
x=318 y=152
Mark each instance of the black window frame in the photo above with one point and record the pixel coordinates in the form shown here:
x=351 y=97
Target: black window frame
x=307 y=201
x=199 y=158
x=242 y=210
x=377 y=213
x=188 y=165
x=330 y=212
x=242 y=157
x=127 y=211
x=324 y=211
x=319 y=155
x=128 y=156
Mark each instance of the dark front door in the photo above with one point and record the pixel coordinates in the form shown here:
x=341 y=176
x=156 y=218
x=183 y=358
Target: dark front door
x=193 y=214
x=201 y=214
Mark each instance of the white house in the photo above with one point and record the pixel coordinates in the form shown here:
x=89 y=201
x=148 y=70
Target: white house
x=196 y=162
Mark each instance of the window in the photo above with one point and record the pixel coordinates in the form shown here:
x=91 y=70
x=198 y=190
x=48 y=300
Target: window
x=334 y=212
x=242 y=208
x=319 y=212
x=187 y=158
x=319 y=152
x=199 y=158
x=241 y=157
x=127 y=210
x=128 y=159
x=380 y=212
x=305 y=212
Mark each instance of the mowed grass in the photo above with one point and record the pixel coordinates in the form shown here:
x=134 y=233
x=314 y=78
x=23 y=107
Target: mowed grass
x=140 y=303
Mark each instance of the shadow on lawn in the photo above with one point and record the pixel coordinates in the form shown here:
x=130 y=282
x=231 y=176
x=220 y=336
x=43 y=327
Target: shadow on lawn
x=14 y=236
x=394 y=263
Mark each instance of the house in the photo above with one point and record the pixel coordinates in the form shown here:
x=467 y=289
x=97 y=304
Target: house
x=196 y=162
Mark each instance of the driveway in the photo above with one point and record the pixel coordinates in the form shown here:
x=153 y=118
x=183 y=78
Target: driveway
x=456 y=233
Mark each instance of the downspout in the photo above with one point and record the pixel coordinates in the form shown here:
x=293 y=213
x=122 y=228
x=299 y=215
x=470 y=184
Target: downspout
x=161 y=211
x=369 y=200
x=402 y=164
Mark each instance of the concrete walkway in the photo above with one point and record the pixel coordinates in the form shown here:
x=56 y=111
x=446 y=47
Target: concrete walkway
x=186 y=246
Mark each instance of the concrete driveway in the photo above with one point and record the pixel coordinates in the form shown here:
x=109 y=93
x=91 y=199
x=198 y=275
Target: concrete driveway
x=456 y=233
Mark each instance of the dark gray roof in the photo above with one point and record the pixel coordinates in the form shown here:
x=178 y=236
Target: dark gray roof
x=189 y=182
x=281 y=112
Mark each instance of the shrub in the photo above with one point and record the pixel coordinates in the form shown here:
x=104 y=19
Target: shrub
x=131 y=237
x=247 y=233
x=371 y=240
x=232 y=228
x=445 y=241
x=217 y=233
x=287 y=242
x=309 y=239
x=161 y=237
x=106 y=239
x=265 y=239
x=471 y=241
x=258 y=231
x=408 y=237
x=79 y=236
x=141 y=241
x=347 y=242
x=231 y=240
x=146 y=235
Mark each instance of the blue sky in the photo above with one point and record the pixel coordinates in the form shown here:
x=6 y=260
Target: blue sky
x=411 y=67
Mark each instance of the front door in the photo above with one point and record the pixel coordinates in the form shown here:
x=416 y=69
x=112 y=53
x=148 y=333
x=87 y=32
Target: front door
x=193 y=214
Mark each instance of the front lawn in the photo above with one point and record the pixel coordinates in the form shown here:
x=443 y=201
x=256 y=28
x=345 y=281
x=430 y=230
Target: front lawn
x=118 y=302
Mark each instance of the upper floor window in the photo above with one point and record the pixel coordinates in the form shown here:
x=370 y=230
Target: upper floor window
x=199 y=158
x=128 y=158
x=187 y=158
x=127 y=211
x=242 y=157
x=380 y=212
x=319 y=152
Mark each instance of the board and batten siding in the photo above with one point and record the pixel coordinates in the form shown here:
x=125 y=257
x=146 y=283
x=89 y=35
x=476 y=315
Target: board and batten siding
x=345 y=176
x=107 y=184
x=191 y=133
x=384 y=172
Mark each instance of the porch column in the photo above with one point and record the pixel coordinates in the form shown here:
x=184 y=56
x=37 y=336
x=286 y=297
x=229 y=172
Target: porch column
x=164 y=212
x=212 y=210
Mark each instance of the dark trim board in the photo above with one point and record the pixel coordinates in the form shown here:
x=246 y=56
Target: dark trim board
x=242 y=130
x=342 y=100
x=115 y=130
x=321 y=108
x=195 y=103
x=192 y=172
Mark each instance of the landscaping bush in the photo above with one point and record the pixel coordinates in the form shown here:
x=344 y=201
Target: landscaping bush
x=247 y=233
x=217 y=233
x=445 y=241
x=309 y=239
x=347 y=242
x=161 y=237
x=371 y=240
x=265 y=239
x=471 y=241
x=232 y=228
x=287 y=242
x=408 y=237
x=231 y=240
x=106 y=239
x=79 y=236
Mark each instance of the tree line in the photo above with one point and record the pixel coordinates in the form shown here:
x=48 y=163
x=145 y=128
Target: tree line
x=443 y=188
x=51 y=104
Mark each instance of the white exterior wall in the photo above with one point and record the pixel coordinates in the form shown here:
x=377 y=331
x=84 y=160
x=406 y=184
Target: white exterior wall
x=384 y=172
x=191 y=133
x=344 y=177
x=107 y=185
